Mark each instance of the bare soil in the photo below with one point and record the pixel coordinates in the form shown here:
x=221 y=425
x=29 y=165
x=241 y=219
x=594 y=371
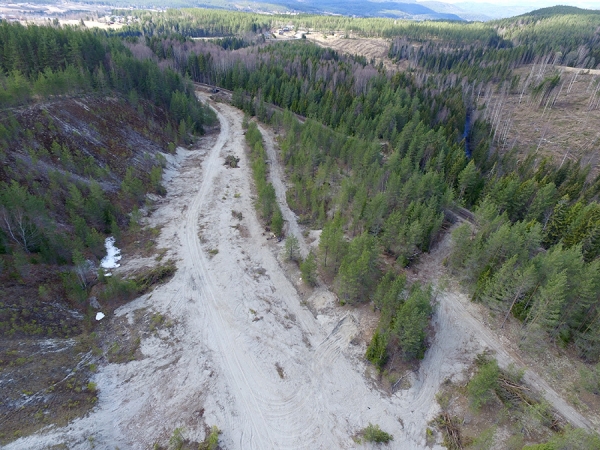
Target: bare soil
x=483 y=330
x=42 y=382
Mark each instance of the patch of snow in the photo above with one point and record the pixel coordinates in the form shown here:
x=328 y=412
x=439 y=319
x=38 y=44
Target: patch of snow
x=100 y=316
x=113 y=255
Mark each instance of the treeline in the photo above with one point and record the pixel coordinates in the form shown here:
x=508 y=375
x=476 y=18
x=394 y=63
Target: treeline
x=534 y=254
x=569 y=40
x=210 y=22
x=346 y=94
x=48 y=61
x=487 y=62
x=199 y=22
x=567 y=36
x=34 y=50
x=570 y=35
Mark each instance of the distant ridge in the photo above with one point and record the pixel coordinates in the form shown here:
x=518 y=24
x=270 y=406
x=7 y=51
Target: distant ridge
x=560 y=10
x=362 y=8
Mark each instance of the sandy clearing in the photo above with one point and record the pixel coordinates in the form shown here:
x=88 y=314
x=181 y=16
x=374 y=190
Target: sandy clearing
x=371 y=48
x=376 y=48
x=579 y=70
x=237 y=319
x=92 y=24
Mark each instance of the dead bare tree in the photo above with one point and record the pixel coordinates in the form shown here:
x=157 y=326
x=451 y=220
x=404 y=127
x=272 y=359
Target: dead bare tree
x=19 y=228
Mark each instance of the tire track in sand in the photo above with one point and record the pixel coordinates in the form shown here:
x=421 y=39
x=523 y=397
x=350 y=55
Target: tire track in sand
x=258 y=404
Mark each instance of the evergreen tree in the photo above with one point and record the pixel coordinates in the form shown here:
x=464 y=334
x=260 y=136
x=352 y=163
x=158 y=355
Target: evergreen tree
x=308 y=268
x=358 y=269
x=558 y=225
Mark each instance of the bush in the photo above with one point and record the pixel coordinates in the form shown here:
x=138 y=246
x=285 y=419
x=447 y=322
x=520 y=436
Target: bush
x=292 y=248
x=308 y=268
x=118 y=288
x=372 y=433
x=277 y=221
x=482 y=385
x=157 y=275
x=212 y=440
x=590 y=379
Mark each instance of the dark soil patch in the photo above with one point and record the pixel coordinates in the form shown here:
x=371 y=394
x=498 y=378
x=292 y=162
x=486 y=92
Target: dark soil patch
x=43 y=382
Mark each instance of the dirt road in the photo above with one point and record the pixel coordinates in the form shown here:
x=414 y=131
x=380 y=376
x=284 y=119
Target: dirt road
x=244 y=352
x=459 y=307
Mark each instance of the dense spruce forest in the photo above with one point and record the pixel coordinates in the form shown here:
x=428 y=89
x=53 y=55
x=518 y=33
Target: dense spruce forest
x=384 y=162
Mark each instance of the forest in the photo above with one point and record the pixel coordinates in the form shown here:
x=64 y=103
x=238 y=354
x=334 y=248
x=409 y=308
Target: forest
x=62 y=193
x=390 y=163
x=383 y=162
x=84 y=130
x=380 y=162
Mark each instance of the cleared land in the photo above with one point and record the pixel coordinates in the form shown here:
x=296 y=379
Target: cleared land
x=561 y=124
x=371 y=48
x=240 y=348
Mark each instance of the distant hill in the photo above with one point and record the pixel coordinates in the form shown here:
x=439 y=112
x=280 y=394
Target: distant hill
x=463 y=10
x=363 y=8
x=560 y=10
x=469 y=13
x=489 y=11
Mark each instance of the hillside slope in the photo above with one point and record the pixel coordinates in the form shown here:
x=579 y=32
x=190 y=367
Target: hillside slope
x=74 y=170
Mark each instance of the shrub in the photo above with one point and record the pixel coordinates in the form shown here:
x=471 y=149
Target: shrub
x=482 y=385
x=292 y=249
x=212 y=440
x=373 y=433
x=308 y=268
x=118 y=288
